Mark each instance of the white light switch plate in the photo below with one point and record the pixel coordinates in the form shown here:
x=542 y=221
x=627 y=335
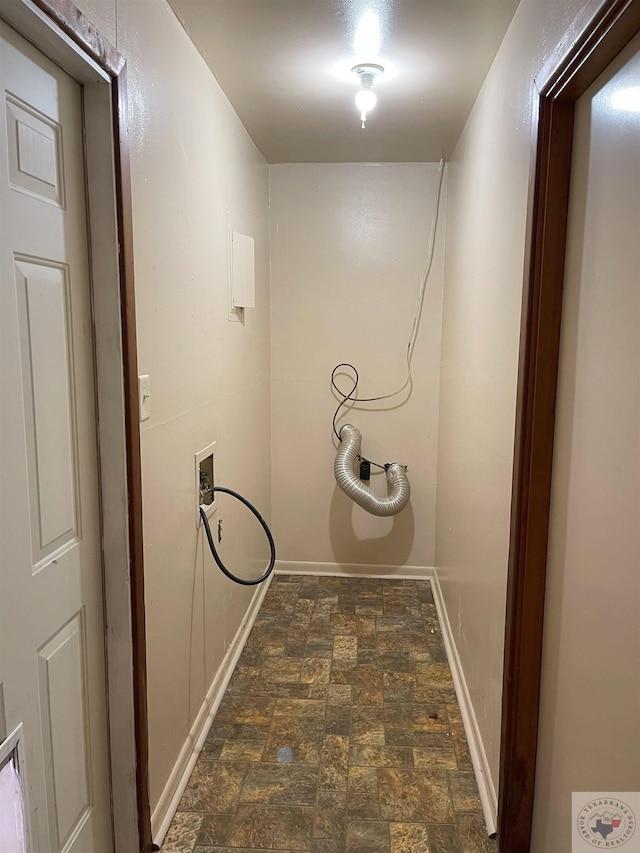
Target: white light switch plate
x=144 y=397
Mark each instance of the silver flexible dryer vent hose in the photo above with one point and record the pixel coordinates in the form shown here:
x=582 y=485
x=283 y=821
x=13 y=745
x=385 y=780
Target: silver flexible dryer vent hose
x=344 y=470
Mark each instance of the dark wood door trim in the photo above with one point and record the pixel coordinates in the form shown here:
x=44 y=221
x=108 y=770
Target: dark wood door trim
x=134 y=459
x=84 y=34
x=558 y=87
x=80 y=29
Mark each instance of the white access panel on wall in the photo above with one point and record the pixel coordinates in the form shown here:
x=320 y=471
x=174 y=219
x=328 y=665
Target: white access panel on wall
x=242 y=273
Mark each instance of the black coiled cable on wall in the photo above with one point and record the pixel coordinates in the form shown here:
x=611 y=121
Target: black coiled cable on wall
x=216 y=557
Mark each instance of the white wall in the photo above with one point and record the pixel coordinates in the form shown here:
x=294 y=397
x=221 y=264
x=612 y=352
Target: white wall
x=590 y=701
x=195 y=171
x=348 y=246
x=487 y=203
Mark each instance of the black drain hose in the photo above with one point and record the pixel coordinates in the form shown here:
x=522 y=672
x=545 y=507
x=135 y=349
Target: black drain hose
x=221 y=565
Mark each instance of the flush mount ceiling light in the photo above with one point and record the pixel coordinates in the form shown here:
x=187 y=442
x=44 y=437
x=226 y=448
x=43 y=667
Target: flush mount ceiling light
x=366 y=98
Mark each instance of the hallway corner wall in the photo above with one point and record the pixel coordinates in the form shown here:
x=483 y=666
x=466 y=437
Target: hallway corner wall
x=348 y=248
x=484 y=266
x=195 y=172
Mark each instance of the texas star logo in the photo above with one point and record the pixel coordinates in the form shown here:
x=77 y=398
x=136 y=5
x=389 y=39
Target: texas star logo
x=606 y=824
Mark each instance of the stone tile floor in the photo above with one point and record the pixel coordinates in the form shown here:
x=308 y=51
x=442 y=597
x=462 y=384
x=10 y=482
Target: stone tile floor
x=339 y=732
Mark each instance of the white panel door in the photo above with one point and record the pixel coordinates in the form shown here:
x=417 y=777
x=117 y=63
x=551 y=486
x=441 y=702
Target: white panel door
x=52 y=665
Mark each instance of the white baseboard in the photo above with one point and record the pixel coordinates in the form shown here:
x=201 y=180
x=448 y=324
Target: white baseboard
x=181 y=773
x=486 y=788
x=356 y=570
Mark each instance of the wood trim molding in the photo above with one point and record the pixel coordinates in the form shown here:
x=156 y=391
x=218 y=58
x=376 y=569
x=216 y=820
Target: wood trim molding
x=134 y=458
x=559 y=86
x=70 y=21
x=535 y=418
x=596 y=44
x=74 y=24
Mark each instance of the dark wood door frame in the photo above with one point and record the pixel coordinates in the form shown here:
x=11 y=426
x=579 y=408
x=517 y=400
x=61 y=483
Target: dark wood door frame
x=70 y=21
x=566 y=77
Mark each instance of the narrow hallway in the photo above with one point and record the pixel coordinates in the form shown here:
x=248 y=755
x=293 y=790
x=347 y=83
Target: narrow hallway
x=337 y=300
x=339 y=731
